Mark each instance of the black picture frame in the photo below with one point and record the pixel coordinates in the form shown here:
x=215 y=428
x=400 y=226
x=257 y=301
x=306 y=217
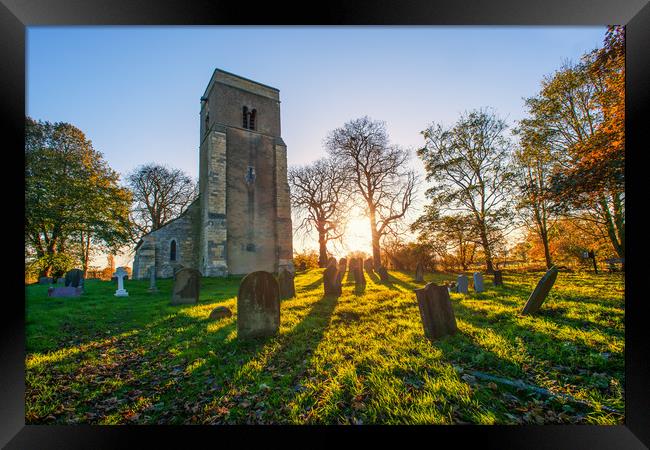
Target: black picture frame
x=16 y=15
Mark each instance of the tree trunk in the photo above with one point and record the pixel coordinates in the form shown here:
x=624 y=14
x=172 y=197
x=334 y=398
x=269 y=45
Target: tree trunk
x=376 y=251
x=486 y=249
x=322 y=255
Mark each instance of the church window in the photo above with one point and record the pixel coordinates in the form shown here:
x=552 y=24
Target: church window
x=172 y=251
x=250 y=175
x=251 y=122
x=245 y=117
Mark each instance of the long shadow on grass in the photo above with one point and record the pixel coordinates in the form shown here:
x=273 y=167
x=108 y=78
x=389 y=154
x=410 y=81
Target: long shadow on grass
x=284 y=367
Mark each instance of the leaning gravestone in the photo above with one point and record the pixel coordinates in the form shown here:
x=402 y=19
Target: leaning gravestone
x=120 y=273
x=541 y=291
x=258 y=306
x=462 y=284
x=498 y=278
x=45 y=280
x=331 y=281
x=478 y=282
x=437 y=315
x=419 y=273
x=187 y=284
x=287 y=287
x=152 y=279
x=74 y=278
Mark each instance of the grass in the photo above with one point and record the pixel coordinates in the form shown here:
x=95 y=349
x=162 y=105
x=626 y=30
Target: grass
x=361 y=358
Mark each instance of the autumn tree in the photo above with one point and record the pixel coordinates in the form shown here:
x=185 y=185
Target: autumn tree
x=534 y=164
x=160 y=194
x=73 y=201
x=470 y=166
x=581 y=109
x=378 y=173
x=319 y=200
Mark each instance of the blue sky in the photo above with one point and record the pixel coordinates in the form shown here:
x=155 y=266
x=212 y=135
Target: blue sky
x=135 y=91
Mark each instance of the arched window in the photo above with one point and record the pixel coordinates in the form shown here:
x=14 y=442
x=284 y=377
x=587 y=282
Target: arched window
x=251 y=122
x=245 y=117
x=172 y=251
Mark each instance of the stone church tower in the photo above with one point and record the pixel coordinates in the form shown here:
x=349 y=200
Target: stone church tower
x=241 y=221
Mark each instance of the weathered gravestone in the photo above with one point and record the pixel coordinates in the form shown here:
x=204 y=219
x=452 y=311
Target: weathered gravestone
x=369 y=265
x=478 y=282
x=462 y=284
x=68 y=291
x=437 y=315
x=419 y=273
x=498 y=278
x=331 y=280
x=359 y=277
x=332 y=260
x=541 y=291
x=343 y=266
x=383 y=273
x=45 y=280
x=220 y=312
x=74 y=278
x=152 y=279
x=120 y=274
x=287 y=287
x=258 y=306
x=177 y=269
x=187 y=284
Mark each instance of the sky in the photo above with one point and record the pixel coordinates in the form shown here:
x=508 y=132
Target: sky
x=135 y=91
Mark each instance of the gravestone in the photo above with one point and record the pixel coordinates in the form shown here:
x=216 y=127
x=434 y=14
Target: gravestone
x=368 y=265
x=74 y=278
x=45 y=280
x=187 y=284
x=287 y=287
x=120 y=273
x=437 y=315
x=152 y=279
x=60 y=281
x=258 y=306
x=331 y=260
x=331 y=281
x=462 y=284
x=498 y=278
x=359 y=277
x=68 y=291
x=383 y=273
x=343 y=266
x=478 y=282
x=220 y=312
x=419 y=273
x=177 y=269
x=542 y=289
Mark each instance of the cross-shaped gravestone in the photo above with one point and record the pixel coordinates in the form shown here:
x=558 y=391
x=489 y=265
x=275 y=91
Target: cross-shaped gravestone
x=120 y=273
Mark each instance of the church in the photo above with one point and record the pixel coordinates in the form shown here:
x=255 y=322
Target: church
x=241 y=220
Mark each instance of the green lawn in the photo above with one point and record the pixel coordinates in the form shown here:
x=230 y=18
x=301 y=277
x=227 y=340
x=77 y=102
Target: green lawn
x=356 y=359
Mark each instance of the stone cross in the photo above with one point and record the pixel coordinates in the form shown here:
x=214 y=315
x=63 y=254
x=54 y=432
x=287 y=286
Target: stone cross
x=437 y=315
x=120 y=273
x=258 y=306
x=419 y=273
x=542 y=289
x=152 y=279
x=478 y=282
x=462 y=284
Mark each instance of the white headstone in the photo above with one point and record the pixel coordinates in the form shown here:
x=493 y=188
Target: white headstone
x=120 y=273
x=478 y=282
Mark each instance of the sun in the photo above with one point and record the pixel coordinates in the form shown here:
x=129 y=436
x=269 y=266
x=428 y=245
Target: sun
x=357 y=235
